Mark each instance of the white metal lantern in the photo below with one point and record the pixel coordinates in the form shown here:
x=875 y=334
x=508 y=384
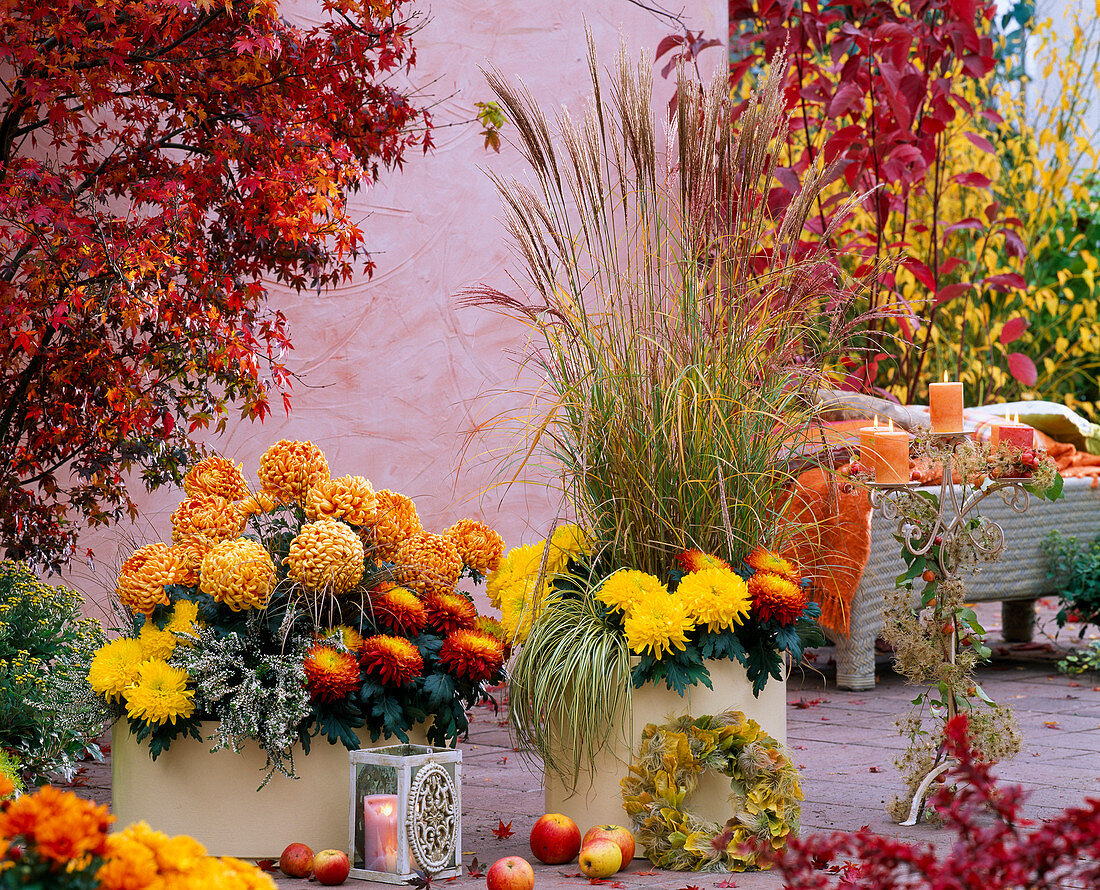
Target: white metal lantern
x=406 y=813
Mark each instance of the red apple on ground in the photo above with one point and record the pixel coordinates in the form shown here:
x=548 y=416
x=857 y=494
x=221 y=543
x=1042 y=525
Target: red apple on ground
x=615 y=833
x=296 y=861
x=510 y=873
x=555 y=839
x=600 y=859
x=331 y=867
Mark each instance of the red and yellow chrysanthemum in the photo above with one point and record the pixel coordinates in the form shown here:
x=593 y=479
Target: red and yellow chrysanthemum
x=331 y=675
x=761 y=560
x=472 y=656
x=217 y=476
x=480 y=547
x=397 y=519
x=289 y=469
x=776 y=598
x=448 y=612
x=399 y=610
x=143 y=577
x=61 y=827
x=428 y=563
x=695 y=560
x=393 y=659
x=350 y=499
x=206 y=516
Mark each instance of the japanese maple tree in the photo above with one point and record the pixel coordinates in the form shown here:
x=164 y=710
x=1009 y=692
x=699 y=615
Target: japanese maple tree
x=162 y=162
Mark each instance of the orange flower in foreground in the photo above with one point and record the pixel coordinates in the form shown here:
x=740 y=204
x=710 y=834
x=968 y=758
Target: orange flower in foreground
x=218 y=476
x=59 y=825
x=394 y=659
x=400 y=610
x=776 y=598
x=289 y=469
x=480 y=547
x=472 y=656
x=331 y=675
x=208 y=516
x=429 y=563
x=448 y=612
x=695 y=560
x=761 y=560
x=397 y=519
x=143 y=577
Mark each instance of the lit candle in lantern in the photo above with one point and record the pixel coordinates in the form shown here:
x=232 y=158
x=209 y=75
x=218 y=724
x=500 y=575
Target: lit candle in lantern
x=1018 y=435
x=867 y=445
x=380 y=832
x=945 y=405
x=891 y=455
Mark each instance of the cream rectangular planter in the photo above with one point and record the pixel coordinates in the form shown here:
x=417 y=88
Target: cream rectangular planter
x=598 y=797
x=213 y=797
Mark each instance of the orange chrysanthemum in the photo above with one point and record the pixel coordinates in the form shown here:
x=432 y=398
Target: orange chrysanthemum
x=326 y=555
x=448 y=612
x=481 y=548
x=776 y=598
x=399 y=610
x=350 y=499
x=761 y=560
x=331 y=675
x=143 y=577
x=190 y=552
x=208 y=516
x=472 y=656
x=217 y=476
x=397 y=519
x=289 y=469
x=695 y=560
x=60 y=826
x=394 y=659
x=239 y=573
x=428 y=563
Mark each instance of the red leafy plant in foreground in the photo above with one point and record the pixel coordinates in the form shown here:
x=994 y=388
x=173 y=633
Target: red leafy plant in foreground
x=996 y=849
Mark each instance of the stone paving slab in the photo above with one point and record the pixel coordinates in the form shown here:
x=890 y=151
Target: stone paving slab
x=844 y=743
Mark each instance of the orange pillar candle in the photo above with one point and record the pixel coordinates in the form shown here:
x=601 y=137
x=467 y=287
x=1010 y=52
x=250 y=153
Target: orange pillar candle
x=867 y=445
x=945 y=404
x=1018 y=435
x=891 y=455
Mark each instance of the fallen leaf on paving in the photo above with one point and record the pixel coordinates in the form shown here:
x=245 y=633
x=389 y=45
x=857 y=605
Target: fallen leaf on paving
x=503 y=759
x=502 y=831
x=473 y=870
x=1052 y=724
x=804 y=703
x=875 y=769
x=728 y=882
x=267 y=865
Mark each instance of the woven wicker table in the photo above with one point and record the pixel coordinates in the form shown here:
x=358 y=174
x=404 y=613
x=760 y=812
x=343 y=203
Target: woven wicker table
x=1018 y=578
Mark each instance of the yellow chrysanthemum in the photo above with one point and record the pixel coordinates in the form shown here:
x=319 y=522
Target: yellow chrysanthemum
x=480 y=547
x=184 y=618
x=217 y=476
x=658 y=624
x=238 y=573
x=143 y=577
x=761 y=560
x=327 y=556
x=160 y=694
x=518 y=605
x=207 y=516
x=350 y=499
x=156 y=643
x=190 y=553
x=115 y=667
x=568 y=542
x=776 y=598
x=718 y=598
x=428 y=563
x=627 y=587
x=289 y=469
x=397 y=519
x=520 y=564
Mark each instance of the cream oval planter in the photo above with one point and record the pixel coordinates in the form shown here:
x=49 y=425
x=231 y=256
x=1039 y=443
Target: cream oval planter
x=598 y=799
x=213 y=797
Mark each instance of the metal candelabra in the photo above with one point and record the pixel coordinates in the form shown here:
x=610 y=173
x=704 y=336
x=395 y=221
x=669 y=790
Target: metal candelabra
x=954 y=531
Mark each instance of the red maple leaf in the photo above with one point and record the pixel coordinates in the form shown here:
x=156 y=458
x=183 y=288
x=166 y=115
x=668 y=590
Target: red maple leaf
x=728 y=882
x=503 y=831
x=267 y=865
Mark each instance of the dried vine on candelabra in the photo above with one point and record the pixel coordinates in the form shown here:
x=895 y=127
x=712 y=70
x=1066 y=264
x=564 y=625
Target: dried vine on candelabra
x=937 y=639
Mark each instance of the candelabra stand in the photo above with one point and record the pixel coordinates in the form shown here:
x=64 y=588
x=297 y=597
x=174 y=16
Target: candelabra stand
x=956 y=528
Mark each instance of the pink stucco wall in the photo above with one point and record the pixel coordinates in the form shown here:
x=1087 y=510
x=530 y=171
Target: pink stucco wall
x=393 y=376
